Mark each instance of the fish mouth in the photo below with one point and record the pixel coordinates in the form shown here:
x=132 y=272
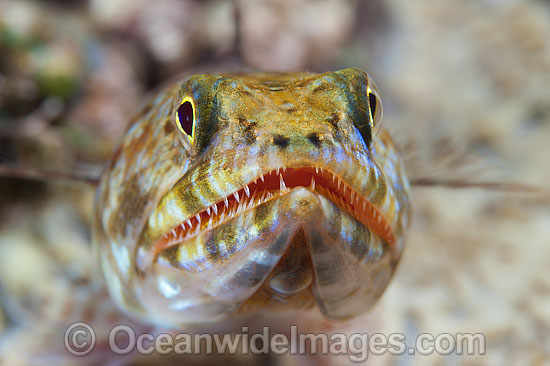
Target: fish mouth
x=274 y=184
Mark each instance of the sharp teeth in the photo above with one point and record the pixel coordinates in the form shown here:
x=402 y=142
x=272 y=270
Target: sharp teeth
x=236 y=195
x=333 y=177
x=352 y=196
x=312 y=183
x=173 y=232
x=339 y=181
x=188 y=222
x=262 y=178
x=250 y=203
x=209 y=224
x=215 y=208
x=198 y=217
x=247 y=191
x=226 y=202
x=277 y=171
x=284 y=169
x=344 y=189
x=364 y=204
x=242 y=205
x=208 y=211
x=282 y=185
x=316 y=170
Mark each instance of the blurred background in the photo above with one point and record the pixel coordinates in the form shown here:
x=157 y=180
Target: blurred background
x=471 y=73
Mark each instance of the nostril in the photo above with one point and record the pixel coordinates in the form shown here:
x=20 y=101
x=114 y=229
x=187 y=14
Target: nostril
x=314 y=139
x=281 y=141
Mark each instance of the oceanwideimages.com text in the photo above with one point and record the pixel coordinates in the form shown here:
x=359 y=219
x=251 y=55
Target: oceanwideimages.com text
x=80 y=340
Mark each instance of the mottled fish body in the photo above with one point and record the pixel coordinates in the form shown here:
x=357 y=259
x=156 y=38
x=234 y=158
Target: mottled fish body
x=232 y=194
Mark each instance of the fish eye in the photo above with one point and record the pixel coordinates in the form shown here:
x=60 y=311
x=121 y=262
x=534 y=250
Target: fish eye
x=185 y=118
x=372 y=105
x=375 y=109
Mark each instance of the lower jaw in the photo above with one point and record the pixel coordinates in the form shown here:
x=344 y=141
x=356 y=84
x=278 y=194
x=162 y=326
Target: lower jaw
x=328 y=258
x=290 y=284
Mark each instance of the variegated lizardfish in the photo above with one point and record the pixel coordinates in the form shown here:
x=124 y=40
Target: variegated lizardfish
x=241 y=193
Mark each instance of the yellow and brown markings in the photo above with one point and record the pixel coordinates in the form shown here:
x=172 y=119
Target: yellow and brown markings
x=234 y=193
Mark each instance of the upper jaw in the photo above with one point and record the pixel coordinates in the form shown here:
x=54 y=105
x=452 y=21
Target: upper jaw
x=271 y=185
